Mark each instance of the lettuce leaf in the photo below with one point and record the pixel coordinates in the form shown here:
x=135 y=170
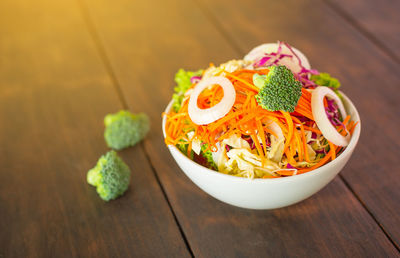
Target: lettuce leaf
x=182 y=79
x=325 y=79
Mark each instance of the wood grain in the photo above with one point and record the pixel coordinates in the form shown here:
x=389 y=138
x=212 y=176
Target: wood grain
x=54 y=93
x=379 y=19
x=369 y=77
x=144 y=54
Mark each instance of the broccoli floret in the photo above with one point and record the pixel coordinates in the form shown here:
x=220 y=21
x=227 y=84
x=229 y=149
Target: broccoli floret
x=110 y=176
x=124 y=129
x=279 y=90
x=325 y=79
x=182 y=79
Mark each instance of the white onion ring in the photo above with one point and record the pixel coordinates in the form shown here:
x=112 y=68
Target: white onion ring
x=268 y=48
x=205 y=116
x=321 y=118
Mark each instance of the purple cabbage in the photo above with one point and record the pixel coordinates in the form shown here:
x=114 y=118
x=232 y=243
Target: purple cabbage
x=251 y=143
x=271 y=58
x=195 y=79
x=274 y=57
x=288 y=165
x=332 y=112
x=303 y=119
x=262 y=61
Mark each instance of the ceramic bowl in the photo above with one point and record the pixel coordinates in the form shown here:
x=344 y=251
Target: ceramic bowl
x=266 y=193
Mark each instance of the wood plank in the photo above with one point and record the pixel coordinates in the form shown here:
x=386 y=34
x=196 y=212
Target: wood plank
x=54 y=93
x=145 y=53
x=368 y=76
x=379 y=19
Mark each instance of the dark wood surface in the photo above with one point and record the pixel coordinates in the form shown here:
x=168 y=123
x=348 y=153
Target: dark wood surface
x=55 y=92
x=377 y=20
x=65 y=64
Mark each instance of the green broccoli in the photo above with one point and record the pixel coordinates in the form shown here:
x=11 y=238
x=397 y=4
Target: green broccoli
x=124 y=129
x=110 y=176
x=182 y=78
x=325 y=79
x=279 y=90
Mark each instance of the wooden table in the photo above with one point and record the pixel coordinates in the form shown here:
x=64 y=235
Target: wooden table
x=65 y=64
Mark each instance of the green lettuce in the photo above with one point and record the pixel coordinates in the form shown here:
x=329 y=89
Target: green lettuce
x=182 y=79
x=207 y=154
x=325 y=79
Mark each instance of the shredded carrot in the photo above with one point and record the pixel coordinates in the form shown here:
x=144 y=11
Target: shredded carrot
x=312 y=129
x=333 y=152
x=299 y=145
x=228 y=117
x=287 y=172
x=351 y=130
x=251 y=86
x=346 y=120
x=189 y=150
x=323 y=161
x=304 y=104
x=289 y=156
x=303 y=135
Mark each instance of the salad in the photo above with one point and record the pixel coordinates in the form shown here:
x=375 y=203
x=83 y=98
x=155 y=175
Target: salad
x=268 y=115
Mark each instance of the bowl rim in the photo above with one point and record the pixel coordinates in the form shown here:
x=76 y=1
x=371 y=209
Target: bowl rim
x=350 y=108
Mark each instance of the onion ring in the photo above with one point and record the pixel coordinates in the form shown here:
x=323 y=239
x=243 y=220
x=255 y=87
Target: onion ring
x=321 y=118
x=209 y=115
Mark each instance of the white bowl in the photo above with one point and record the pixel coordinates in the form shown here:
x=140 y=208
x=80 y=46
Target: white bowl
x=265 y=193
